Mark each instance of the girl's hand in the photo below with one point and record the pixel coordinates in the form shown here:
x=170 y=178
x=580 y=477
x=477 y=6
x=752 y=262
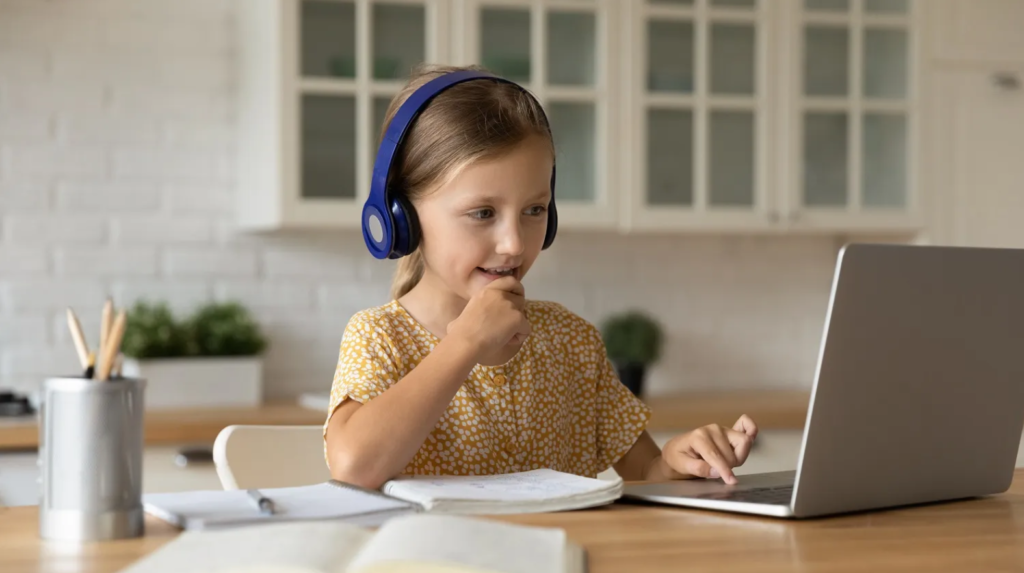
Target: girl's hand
x=493 y=319
x=711 y=451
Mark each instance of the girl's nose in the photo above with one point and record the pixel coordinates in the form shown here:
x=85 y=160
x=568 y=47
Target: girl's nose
x=510 y=240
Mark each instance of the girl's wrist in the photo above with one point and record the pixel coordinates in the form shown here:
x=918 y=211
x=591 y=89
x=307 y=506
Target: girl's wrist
x=658 y=470
x=463 y=351
x=650 y=469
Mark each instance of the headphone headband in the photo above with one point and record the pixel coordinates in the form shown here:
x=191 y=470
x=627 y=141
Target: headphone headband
x=388 y=230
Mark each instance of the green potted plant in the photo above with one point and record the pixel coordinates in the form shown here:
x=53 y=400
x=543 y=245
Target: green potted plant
x=212 y=358
x=633 y=342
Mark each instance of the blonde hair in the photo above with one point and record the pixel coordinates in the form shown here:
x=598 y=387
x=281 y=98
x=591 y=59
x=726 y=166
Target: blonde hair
x=467 y=122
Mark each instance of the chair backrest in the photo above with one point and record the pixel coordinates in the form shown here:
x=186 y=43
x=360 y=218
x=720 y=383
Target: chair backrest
x=270 y=456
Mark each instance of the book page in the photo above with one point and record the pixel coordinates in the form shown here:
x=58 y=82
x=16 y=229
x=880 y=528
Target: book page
x=525 y=486
x=462 y=544
x=204 y=509
x=313 y=547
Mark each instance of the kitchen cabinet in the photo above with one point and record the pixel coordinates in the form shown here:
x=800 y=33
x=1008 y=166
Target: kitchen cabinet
x=979 y=31
x=774 y=116
x=669 y=115
x=977 y=124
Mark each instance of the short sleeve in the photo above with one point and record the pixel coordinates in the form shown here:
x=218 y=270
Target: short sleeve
x=367 y=364
x=621 y=416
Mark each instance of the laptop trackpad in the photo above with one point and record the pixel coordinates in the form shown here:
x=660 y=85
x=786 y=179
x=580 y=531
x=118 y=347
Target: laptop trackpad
x=704 y=487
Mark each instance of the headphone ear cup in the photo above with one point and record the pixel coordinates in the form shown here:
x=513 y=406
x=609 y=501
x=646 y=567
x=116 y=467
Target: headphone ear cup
x=552 y=230
x=414 y=225
x=407 y=226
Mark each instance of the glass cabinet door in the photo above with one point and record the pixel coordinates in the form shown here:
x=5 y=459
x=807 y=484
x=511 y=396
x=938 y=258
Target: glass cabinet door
x=505 y=36
x=570 y=87
x=352 y=57
x=327 y=100
x=559 y=50
x=854 y=107
x=700 y=104
x=328 y=145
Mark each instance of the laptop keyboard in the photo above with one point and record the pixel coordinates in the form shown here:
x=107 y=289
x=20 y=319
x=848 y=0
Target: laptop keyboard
x=780 y=495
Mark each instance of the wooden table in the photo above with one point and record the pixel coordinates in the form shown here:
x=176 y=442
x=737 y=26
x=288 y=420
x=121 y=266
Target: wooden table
x=975 y=535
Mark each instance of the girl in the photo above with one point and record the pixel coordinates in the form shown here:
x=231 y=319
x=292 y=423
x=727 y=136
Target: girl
x=461 y=374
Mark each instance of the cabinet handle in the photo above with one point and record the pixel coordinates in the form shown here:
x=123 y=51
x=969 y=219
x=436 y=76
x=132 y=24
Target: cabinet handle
x=1006 y=80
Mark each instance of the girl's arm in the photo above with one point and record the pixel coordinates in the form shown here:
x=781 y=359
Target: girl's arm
x=708 y=452
x=368 y=444
x=635 y=465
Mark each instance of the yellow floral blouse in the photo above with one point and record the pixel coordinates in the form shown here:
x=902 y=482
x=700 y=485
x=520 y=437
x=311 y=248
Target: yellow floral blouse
x=557 y=404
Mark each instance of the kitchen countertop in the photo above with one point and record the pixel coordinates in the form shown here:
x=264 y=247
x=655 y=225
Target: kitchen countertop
x=771 y=409
x=178 y=426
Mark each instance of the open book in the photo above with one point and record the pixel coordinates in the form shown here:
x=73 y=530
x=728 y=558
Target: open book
x=420 y=543
x=525 y=492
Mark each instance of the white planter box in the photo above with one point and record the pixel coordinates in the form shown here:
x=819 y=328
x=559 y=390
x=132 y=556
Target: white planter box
x=199 y=382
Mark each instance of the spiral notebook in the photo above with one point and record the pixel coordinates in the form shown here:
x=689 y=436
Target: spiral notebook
x=526 y=492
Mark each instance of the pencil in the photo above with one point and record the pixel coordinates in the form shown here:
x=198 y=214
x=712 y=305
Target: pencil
x=90 y=370
x=79 y=337
x=109 y=352
x=105 y=324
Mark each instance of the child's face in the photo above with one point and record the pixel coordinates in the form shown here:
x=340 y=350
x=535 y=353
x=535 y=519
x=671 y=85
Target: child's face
x=489 y=220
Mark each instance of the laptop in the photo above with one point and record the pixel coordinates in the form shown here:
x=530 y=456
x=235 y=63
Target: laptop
x=918 y=395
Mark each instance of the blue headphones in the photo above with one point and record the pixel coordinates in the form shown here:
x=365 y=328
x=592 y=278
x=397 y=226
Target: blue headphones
x=390 y=227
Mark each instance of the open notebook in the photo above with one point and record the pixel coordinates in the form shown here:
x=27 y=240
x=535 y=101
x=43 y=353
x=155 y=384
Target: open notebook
x=417 y=543
x=525 y=492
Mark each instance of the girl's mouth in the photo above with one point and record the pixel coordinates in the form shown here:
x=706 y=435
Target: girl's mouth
x=499 y=272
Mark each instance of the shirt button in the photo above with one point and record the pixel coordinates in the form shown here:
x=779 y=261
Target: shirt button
x=500 y=380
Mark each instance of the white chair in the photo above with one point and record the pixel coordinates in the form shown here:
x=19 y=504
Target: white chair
x=270 y=456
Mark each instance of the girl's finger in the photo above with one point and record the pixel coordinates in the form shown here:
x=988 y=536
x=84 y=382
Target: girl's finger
x=724 y=445
x=746 y=425
x=741 y=444
x=707 y=449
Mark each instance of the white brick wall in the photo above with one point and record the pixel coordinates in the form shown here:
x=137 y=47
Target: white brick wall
x=102 y=196
x=54 y=229
x=133 y=230
x=116 y=140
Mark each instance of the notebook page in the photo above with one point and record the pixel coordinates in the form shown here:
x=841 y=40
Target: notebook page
x=308 y=547
x=525 y=486
x=200 y=509
x=475 y=544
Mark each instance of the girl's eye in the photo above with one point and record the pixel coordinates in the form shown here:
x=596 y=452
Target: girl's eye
x=482 y=214
x=536 y=210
